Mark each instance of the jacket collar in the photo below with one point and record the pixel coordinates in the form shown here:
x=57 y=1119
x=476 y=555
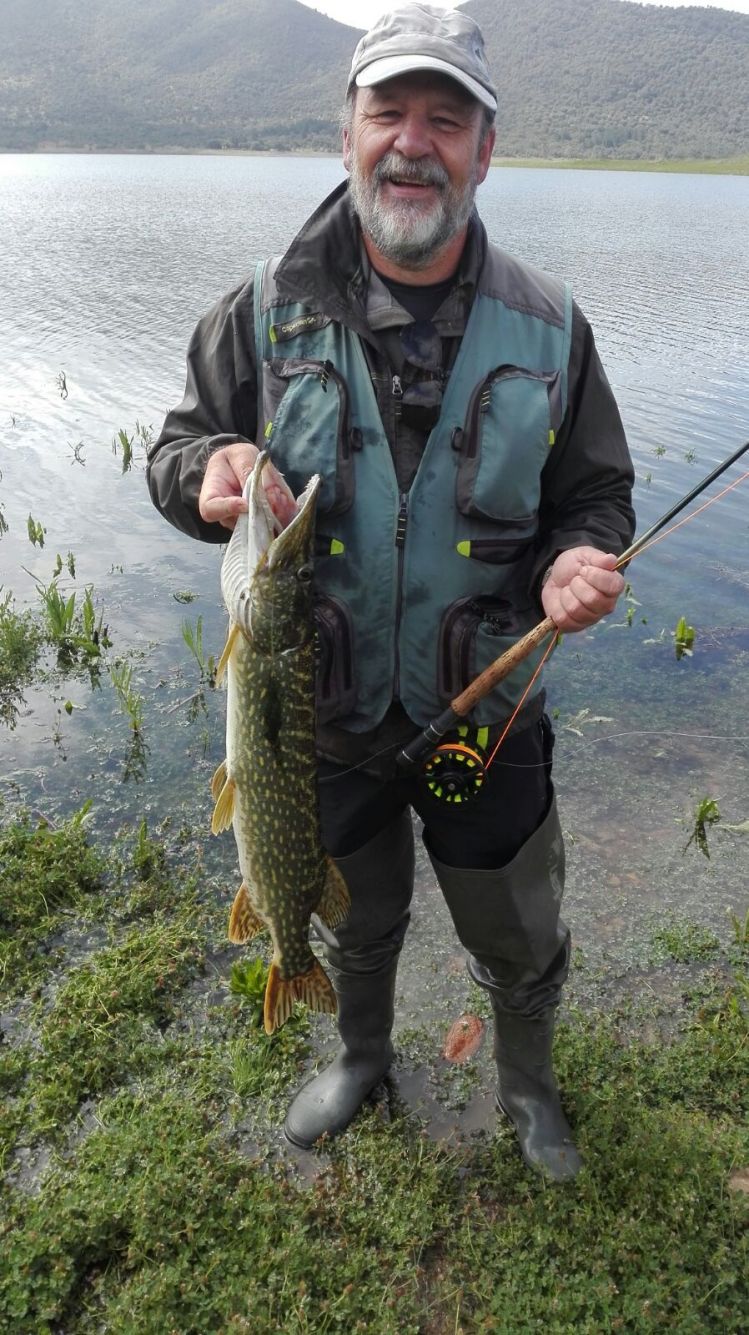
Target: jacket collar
x=323 y=265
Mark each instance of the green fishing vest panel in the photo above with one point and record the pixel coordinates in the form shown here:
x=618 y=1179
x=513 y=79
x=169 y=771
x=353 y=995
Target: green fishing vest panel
x=419 y=593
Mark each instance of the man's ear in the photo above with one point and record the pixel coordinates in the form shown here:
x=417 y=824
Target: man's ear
x=347 y=148
x=485 y=155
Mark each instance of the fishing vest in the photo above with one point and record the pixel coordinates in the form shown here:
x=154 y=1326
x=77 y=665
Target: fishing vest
x=418 y=593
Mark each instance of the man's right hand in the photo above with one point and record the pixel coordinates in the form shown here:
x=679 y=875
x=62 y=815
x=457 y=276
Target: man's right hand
x=220 y=500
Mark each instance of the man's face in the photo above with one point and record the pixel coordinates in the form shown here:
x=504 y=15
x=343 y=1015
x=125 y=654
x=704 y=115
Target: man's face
x=416 y=151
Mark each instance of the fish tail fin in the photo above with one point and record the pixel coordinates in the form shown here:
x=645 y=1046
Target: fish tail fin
x=280 y=995
x=314 y=988
x=223 y=812
x=244 y=919
x=335 y=900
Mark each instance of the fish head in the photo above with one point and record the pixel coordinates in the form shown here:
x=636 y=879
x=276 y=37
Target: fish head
x=281 y=586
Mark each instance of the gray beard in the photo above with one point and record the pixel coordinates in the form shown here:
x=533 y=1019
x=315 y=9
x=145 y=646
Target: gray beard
x=406 y=232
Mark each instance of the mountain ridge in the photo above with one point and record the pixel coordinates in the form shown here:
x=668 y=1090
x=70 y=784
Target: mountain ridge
x=576 y=78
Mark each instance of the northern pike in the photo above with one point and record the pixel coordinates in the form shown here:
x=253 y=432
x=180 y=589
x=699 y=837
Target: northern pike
x=267 y=786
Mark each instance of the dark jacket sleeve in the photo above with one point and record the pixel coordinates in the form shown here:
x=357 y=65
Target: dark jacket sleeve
x=586 y=484
x=218 y=408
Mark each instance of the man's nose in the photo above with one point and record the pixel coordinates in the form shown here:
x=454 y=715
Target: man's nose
x=414 y=139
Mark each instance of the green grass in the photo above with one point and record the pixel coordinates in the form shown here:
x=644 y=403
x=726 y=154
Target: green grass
x=143 y=1077
x=45 y=873
x=738 y=166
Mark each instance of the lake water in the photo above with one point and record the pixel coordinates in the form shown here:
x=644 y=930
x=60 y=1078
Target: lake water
x=106 y=264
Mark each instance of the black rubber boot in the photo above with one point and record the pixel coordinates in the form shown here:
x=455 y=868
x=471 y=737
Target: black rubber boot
x=527 y=1093
x=326 y=1105
x=362 y=958
x=508 y=918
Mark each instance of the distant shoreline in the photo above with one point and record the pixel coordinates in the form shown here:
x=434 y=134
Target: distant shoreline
x=696 y=166
x=738 y=166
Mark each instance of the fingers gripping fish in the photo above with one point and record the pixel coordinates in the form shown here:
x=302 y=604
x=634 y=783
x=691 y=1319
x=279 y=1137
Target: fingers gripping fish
x=267 y=786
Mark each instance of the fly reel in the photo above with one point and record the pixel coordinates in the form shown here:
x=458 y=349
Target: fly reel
x=454 y=772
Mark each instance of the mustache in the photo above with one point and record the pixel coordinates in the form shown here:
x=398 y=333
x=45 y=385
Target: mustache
x=417 y=171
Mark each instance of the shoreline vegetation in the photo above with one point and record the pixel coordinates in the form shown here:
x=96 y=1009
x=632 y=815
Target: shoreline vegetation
x=738 y=166
x=144 y=1172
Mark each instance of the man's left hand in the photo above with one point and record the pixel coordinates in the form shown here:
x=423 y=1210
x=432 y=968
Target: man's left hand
x=582 y=588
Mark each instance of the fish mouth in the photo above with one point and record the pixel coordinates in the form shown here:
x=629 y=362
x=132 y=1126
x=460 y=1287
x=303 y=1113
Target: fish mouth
x=281 y=545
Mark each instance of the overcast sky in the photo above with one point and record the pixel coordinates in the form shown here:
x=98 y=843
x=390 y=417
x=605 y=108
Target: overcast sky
x=362 y=13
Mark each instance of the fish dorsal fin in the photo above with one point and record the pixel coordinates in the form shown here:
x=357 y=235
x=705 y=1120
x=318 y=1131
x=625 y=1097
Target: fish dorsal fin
x=223 y=812
x=244 y=921
x=223 y=661
x=335 y=900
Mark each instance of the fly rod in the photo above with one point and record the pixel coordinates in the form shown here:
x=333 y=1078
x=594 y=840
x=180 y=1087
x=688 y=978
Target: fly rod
x=419 y=749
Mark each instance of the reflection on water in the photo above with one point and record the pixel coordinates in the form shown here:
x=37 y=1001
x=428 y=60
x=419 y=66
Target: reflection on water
x=105 y=265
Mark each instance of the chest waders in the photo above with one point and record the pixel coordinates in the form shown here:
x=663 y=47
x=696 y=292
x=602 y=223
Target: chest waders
x=417 y=594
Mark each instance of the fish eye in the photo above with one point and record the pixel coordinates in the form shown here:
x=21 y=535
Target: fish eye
x=304 y=574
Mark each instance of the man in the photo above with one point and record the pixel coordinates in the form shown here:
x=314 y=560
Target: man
x=474 y=477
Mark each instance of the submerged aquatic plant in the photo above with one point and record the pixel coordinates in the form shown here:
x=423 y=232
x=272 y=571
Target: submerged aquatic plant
x=193 y=638
x=69 y=562
x=35 y=531
x=20 y=644
x=126 y=445
x=77 y=635
x=706 y=813
x=740 y=929
x=142 y=435
x=121 y=676
x=683 y=638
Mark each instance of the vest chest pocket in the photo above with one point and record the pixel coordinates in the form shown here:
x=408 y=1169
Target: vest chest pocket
x=512 y=418
x=335 y=682
x=306 y=409
x=470 y=638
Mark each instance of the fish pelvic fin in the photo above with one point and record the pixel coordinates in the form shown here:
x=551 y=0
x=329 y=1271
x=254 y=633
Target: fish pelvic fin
x=314 y=988
x=223 y=812
x=335 y=900
x=220 y=775
x=244 y=920
x=223 y=661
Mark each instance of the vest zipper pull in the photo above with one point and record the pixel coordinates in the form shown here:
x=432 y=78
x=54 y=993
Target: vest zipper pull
x=325 y=375
x=397 y=387
x=400 y=529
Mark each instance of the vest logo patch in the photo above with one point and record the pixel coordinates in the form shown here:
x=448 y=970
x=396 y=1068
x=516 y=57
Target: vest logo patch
x=304 y=324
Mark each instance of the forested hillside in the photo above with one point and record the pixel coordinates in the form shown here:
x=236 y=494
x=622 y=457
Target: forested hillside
x=169 y=73
x=577 y=78
x=582 y=78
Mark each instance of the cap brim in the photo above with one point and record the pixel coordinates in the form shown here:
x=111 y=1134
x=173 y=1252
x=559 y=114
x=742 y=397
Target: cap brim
x=392 y=66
